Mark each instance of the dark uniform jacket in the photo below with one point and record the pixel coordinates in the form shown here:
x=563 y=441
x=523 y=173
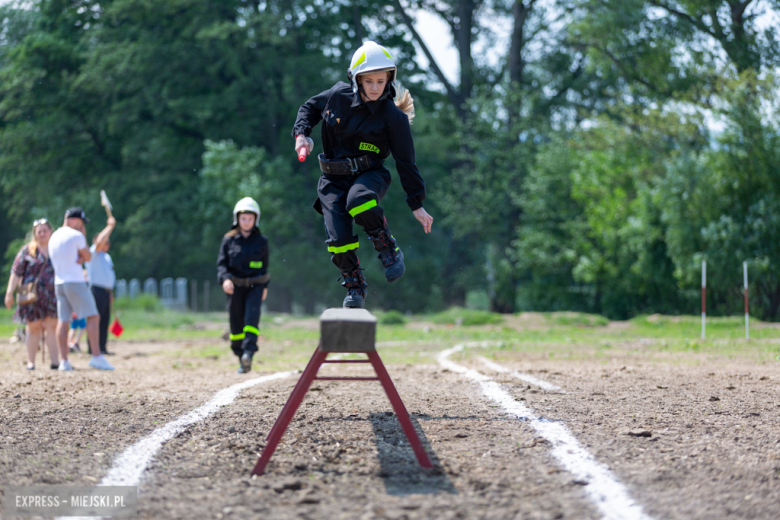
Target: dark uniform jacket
x=353 y=128
x=241 y=257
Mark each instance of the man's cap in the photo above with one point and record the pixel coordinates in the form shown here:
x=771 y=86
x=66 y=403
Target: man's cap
x=76 y=212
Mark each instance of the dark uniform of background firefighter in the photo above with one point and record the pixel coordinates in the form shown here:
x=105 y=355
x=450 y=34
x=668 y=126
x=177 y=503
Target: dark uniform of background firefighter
x=242 y=269
x=362 y=127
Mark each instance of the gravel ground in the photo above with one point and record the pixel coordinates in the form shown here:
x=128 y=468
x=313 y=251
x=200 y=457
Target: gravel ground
x=688 y=441
x=691 y=442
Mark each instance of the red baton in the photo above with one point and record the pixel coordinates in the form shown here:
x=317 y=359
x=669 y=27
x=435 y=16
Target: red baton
x=302 y=154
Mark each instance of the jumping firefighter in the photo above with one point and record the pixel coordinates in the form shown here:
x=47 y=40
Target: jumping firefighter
x=362 y=127
x=242 y=269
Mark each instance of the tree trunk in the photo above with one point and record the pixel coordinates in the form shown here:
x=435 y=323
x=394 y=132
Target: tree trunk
x=773 y=304
x=358 y=23
x=515 y=61
x=463 y=38
x=501 y=280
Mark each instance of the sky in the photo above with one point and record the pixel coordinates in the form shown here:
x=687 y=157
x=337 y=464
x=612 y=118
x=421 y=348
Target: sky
x=437 y=37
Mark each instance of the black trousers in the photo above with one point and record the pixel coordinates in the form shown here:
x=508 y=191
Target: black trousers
x=244 y=309
x=343 y=199
x=103 y=302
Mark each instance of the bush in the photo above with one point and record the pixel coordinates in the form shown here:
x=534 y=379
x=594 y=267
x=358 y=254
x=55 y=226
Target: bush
x=142 y=302
x=581 y=319
x=467 y=317
x=392 y=318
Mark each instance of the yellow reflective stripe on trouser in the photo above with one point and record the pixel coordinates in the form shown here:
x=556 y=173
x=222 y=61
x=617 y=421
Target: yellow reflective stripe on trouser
x=236 y=337
x=343 y=249
x=252 y=329
x=363 y=207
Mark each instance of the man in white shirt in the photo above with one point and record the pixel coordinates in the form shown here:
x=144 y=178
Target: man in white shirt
x=101 y=276
x=68 y=251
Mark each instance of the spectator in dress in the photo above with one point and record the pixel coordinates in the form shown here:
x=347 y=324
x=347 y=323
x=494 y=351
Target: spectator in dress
x=101 y=277
x=68 y=251
x=31 y=263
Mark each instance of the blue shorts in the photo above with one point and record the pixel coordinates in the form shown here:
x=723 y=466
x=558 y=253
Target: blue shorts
x=78 y=324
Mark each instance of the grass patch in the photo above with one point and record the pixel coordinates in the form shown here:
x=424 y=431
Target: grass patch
x=570 y=336
x=142 y=302
x=392 y=318
x=7 y=326
x=466 y=317
x=578 y=319
x=689 y=327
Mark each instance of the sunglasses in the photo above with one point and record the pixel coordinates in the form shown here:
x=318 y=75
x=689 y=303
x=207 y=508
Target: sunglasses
x=40 y=221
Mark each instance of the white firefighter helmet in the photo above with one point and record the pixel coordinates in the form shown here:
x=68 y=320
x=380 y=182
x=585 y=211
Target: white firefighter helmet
x=371 y=57
x=246 y=205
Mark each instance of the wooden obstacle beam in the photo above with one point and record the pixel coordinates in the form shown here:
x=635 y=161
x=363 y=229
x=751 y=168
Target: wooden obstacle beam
x=343 y=331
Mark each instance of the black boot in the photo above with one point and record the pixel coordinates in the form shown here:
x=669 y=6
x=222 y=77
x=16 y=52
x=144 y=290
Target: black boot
x=246 y=363
x=356 y=289
x=389 y=253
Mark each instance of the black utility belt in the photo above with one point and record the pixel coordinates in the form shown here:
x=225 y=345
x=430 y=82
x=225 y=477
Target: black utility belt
x=351 y=166
x=249 y=282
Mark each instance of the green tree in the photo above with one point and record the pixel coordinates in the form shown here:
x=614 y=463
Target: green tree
x=721 y=204
x=124 y=94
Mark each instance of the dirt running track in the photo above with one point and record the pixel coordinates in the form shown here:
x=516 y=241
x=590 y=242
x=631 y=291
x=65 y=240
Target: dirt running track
x=714 y=449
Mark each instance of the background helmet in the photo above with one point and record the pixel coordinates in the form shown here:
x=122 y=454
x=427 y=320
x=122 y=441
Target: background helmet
x=246 y=205
x=371 y=57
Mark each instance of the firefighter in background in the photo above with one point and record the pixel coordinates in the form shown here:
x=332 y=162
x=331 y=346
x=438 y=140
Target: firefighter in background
x=242 y=269
x=363 y=123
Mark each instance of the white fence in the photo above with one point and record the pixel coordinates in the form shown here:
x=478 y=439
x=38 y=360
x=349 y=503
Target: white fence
x=172 y=293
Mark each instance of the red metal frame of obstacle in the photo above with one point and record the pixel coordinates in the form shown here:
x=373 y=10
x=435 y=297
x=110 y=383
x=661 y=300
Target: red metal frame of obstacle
x=302 y=387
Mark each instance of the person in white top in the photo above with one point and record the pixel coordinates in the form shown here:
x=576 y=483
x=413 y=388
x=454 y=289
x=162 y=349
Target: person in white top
x=68 y=250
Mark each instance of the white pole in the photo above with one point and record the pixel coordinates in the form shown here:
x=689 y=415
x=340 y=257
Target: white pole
x=747 y=316
x=703 y=298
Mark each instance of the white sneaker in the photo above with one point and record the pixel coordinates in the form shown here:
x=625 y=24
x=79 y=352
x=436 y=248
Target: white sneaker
x=65 y=366
x=100 y=363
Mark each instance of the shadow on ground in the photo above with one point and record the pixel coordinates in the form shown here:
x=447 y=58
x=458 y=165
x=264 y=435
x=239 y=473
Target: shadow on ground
x=399 y=469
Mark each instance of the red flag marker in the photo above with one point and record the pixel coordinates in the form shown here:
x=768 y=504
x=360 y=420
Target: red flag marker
x=116 y=328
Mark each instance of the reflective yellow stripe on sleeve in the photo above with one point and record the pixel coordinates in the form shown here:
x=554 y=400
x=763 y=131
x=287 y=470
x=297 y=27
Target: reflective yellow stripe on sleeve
x=343 y=249
x=252 y=330
x=363 y=207
x=256 y=264
x=236 y=337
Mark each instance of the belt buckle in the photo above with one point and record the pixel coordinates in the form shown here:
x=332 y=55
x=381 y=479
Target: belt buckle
x=353 y=165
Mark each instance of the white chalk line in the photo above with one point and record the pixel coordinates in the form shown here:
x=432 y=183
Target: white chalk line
x=610 y=496
x=130 y=465
x=519 y=375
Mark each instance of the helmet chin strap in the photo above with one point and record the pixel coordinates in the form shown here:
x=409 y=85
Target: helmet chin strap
x=361 y=90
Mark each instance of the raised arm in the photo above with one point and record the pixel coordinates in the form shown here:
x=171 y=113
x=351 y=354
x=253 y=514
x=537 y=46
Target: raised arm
x=104 y=235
